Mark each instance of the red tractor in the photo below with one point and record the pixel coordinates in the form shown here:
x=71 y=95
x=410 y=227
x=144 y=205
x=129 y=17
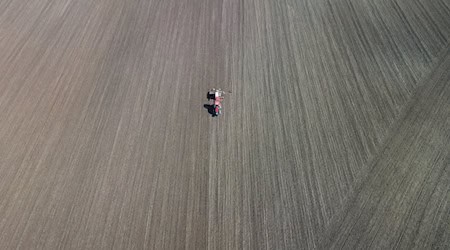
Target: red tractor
x=216 y=97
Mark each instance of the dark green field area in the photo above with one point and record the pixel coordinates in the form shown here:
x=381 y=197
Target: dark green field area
x=336 y=133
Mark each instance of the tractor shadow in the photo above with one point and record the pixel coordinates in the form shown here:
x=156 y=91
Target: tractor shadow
x=210 y=96
x=210 y=109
